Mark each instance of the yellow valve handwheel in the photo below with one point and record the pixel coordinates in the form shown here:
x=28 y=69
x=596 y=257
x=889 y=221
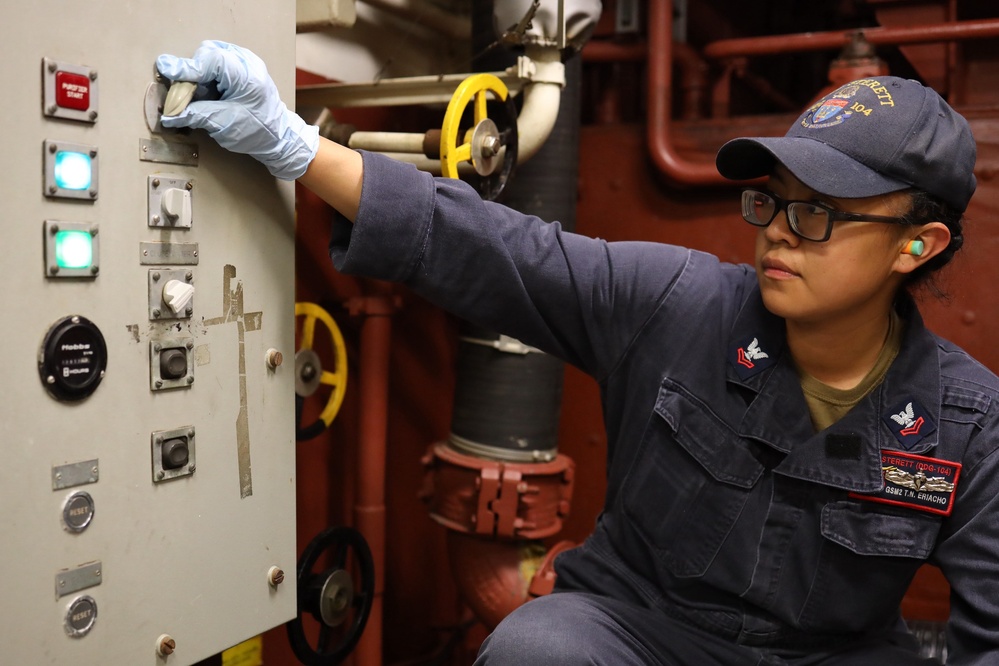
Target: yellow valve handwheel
x=309 y=372
x=482 y=143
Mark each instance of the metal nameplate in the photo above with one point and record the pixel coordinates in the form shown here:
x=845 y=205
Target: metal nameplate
x=169 y=152
x=75 y=474
x=154 y=253
x=69 y=581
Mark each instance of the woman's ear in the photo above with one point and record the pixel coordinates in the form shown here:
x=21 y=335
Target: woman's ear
x=920 y=244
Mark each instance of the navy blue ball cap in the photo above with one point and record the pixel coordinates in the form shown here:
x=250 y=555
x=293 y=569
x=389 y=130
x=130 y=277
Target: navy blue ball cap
x=868 y=137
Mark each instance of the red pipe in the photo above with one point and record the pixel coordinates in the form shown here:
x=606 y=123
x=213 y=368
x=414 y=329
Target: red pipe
x=817 y=41
x=660 y=104
x=369 y=505
x=602 y=50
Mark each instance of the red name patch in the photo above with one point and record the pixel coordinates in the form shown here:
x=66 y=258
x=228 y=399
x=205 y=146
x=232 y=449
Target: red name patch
x=917 y=482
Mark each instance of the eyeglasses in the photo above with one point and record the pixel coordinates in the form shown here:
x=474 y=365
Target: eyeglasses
x=806 y=219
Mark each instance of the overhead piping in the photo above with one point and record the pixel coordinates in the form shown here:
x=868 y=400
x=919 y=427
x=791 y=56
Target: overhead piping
x=818 y=41
x=660 y=66
x=660 y=81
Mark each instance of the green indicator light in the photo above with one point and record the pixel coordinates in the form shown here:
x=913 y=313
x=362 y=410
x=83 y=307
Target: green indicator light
x=73 y=170
x=74 y=249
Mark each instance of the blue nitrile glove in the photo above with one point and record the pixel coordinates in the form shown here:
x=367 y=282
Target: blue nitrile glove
x=250 y=117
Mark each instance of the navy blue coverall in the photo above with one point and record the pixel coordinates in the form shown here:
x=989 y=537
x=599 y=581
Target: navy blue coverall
x=732 y=532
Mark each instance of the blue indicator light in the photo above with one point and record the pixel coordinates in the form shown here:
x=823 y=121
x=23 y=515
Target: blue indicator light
x=74 y=249
x=73 y=170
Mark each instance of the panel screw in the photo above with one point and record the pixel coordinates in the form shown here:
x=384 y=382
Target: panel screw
x=160 y=474
x=165 y=645
x=189 y=185
x=52 y=67
x=156 y=182
x=54 y=229
x=159 y=383
x=52 y=108
x=190 y=379
x=190 y=345
x=274 y=358
x=93 y=152
x=275 y=576
x=93 y=115
x=95 y=270
x=53 y=189
x=157 y=347
x=189 y=276
x=53 y=147
x=156 y=276
x=156 y=312
x=93 y=230
x=54 y=270
x=156 y=219
x=189 y=311
x=191 y=468
x=93 y=75
x=93 y=194
x=50 y=380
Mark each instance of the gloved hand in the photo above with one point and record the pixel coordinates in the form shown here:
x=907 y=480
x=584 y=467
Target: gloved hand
x=250 y=117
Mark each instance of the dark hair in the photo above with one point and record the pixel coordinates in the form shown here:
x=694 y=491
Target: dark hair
x=925 y=208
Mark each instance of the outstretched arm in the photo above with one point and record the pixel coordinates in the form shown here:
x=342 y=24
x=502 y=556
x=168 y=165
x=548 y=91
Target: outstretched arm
x=335 y=175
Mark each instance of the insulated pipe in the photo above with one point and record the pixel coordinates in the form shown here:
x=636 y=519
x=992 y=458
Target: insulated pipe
x=493 y=576
x=818 y=41
x=660 y=104
x=426 y=14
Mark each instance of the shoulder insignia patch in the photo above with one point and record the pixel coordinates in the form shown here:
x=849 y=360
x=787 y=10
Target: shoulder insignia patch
x=909 y=422
x=750 y=357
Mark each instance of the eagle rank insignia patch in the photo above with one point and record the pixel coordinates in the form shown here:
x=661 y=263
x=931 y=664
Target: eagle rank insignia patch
x=917 y=482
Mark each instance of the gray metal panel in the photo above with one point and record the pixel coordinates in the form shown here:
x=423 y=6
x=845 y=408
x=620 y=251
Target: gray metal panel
x=188 y=557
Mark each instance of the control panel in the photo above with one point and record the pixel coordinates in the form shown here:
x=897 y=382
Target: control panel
x=149 y=488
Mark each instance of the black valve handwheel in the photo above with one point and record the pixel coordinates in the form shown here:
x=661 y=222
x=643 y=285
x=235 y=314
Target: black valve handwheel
x=336 y=586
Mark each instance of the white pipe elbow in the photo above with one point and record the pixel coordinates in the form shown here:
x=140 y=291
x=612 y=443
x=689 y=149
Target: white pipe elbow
x=542 y=98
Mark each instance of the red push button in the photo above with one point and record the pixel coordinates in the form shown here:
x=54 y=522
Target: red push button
x=72 y=91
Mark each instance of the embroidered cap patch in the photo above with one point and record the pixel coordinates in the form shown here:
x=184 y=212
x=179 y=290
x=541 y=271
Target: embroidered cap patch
x=917 y=482
x=909 y=422
x=750 y=357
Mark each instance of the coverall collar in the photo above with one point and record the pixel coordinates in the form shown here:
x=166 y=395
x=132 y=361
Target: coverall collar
x=778 y=416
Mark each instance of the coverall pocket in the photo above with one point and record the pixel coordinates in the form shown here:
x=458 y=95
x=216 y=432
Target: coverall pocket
x=688 y=482
x=867 y=560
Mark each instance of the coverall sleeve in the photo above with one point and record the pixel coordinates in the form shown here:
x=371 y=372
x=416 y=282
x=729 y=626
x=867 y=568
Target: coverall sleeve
x=578 y=298
x=968 y=555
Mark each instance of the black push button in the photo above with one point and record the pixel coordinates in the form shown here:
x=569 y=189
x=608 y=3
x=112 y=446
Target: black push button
x=175 y=453
x=173 y=363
